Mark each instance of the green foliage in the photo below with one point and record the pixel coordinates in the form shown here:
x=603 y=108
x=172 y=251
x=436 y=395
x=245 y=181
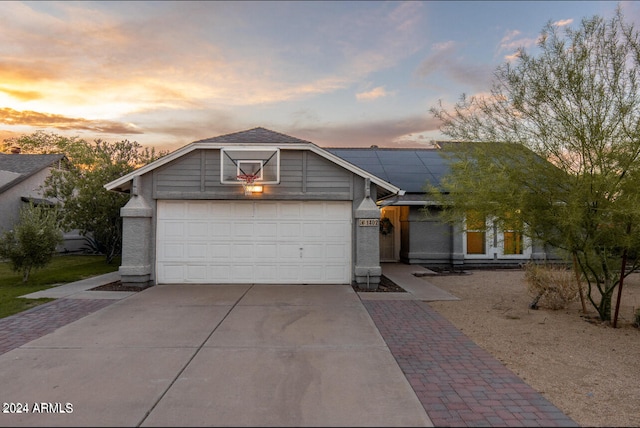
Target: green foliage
x=62 y=269
x=88 y=206
x=33 y=241
x=558 y=143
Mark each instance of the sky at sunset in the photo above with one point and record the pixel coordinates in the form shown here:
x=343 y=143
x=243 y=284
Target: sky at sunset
x=334 y=73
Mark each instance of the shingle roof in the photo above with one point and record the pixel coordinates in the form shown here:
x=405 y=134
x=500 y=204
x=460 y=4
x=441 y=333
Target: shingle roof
x=254 y=136
x=15 y=168
x=408 y=169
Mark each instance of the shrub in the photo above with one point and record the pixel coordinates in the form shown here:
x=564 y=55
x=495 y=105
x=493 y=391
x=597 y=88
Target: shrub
x=32 y=242
x=551 y=286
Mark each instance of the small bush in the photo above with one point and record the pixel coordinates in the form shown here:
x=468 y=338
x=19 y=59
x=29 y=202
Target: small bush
x=552 y=287
x=32 y=242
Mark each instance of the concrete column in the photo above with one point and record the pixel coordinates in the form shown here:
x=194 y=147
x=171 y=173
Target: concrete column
x=136 y=235
x=457 y=253
x=367 y=266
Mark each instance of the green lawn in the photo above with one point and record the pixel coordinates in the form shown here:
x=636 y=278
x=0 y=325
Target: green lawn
x=63 y=269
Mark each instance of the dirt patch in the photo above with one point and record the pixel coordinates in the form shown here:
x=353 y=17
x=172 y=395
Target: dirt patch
x=116 y=286
x=385 y=286
x=588 y=370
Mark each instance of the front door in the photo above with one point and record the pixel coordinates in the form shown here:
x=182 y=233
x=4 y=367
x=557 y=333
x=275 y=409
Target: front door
x=390 y=234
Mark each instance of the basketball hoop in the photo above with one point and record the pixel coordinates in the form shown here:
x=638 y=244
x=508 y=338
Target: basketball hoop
x=247 y=183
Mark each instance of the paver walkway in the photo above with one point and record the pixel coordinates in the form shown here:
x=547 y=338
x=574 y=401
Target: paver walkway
x=458 y=382
x=23 y=327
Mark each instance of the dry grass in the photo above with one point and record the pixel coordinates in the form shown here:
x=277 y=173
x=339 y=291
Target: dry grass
x=553 y=287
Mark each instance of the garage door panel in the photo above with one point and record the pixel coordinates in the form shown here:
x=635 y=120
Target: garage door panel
x=242 y=273
x=265 y=271
x=313 y=230
x=335 y=272
x=313 y=272
x=172 y=272
x=241 y=251
x=335 y=231
x=288 y=230
x=242 y=230
x=172 y=251
x=221 y=211
x=222 y=273
x=289 y=210
x=219 y=251
x=337 y=211
x=334 y=252
x=289 y=251
x=242 y=210
x=313 y=251
x=197 y=250
x=196 y=272
x=254 y=242
x=218 y=229
x=266 y=210
x=266 y=252
x=173 y=229
x=172 y=210
x=198 y=210
x=289 y=272
x=197 y=230
x=265 y=230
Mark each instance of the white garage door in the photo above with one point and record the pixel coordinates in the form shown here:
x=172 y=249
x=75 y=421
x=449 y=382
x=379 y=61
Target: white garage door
x=217 y=242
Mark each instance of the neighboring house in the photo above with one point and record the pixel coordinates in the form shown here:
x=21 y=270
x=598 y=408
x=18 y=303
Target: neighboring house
x=22 y=177
x=310 y=215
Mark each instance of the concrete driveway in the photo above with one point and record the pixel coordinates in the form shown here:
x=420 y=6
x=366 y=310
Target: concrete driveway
x=203 y=355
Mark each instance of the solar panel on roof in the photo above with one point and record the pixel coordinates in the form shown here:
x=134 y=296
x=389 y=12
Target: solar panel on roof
x=408 y=169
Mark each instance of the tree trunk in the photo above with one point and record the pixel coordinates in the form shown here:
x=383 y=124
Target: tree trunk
x=577 y=272
x=604 y=307
x=623 y=268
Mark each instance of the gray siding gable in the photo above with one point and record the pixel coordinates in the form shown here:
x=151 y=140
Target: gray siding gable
x=255 y=137
x=303 y=175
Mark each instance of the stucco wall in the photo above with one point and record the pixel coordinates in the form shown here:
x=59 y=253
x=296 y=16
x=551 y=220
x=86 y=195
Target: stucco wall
x=10 y=202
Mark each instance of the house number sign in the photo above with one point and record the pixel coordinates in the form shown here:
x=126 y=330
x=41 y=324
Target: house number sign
x=369 y=222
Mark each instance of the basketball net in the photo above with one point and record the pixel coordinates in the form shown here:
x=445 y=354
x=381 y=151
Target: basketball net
x=247 y=181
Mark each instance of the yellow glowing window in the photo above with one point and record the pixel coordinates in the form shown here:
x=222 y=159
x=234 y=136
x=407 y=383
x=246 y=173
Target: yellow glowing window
x=512 y=243
x=476 y=237
x=512 y=236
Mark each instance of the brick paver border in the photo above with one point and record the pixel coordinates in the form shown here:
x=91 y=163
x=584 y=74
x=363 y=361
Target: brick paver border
x=458 y=382
x=18 y=329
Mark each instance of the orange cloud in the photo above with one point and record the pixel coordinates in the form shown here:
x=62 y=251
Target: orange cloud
x=10 y=116
x=21 y=95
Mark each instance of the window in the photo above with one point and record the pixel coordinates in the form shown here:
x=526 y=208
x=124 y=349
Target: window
x=512 y=242
x=476 y=235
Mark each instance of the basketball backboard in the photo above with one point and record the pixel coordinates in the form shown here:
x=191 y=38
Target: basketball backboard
x=263 y=163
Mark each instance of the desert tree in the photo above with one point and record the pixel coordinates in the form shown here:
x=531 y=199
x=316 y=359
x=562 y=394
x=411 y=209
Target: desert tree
x=554 y=147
